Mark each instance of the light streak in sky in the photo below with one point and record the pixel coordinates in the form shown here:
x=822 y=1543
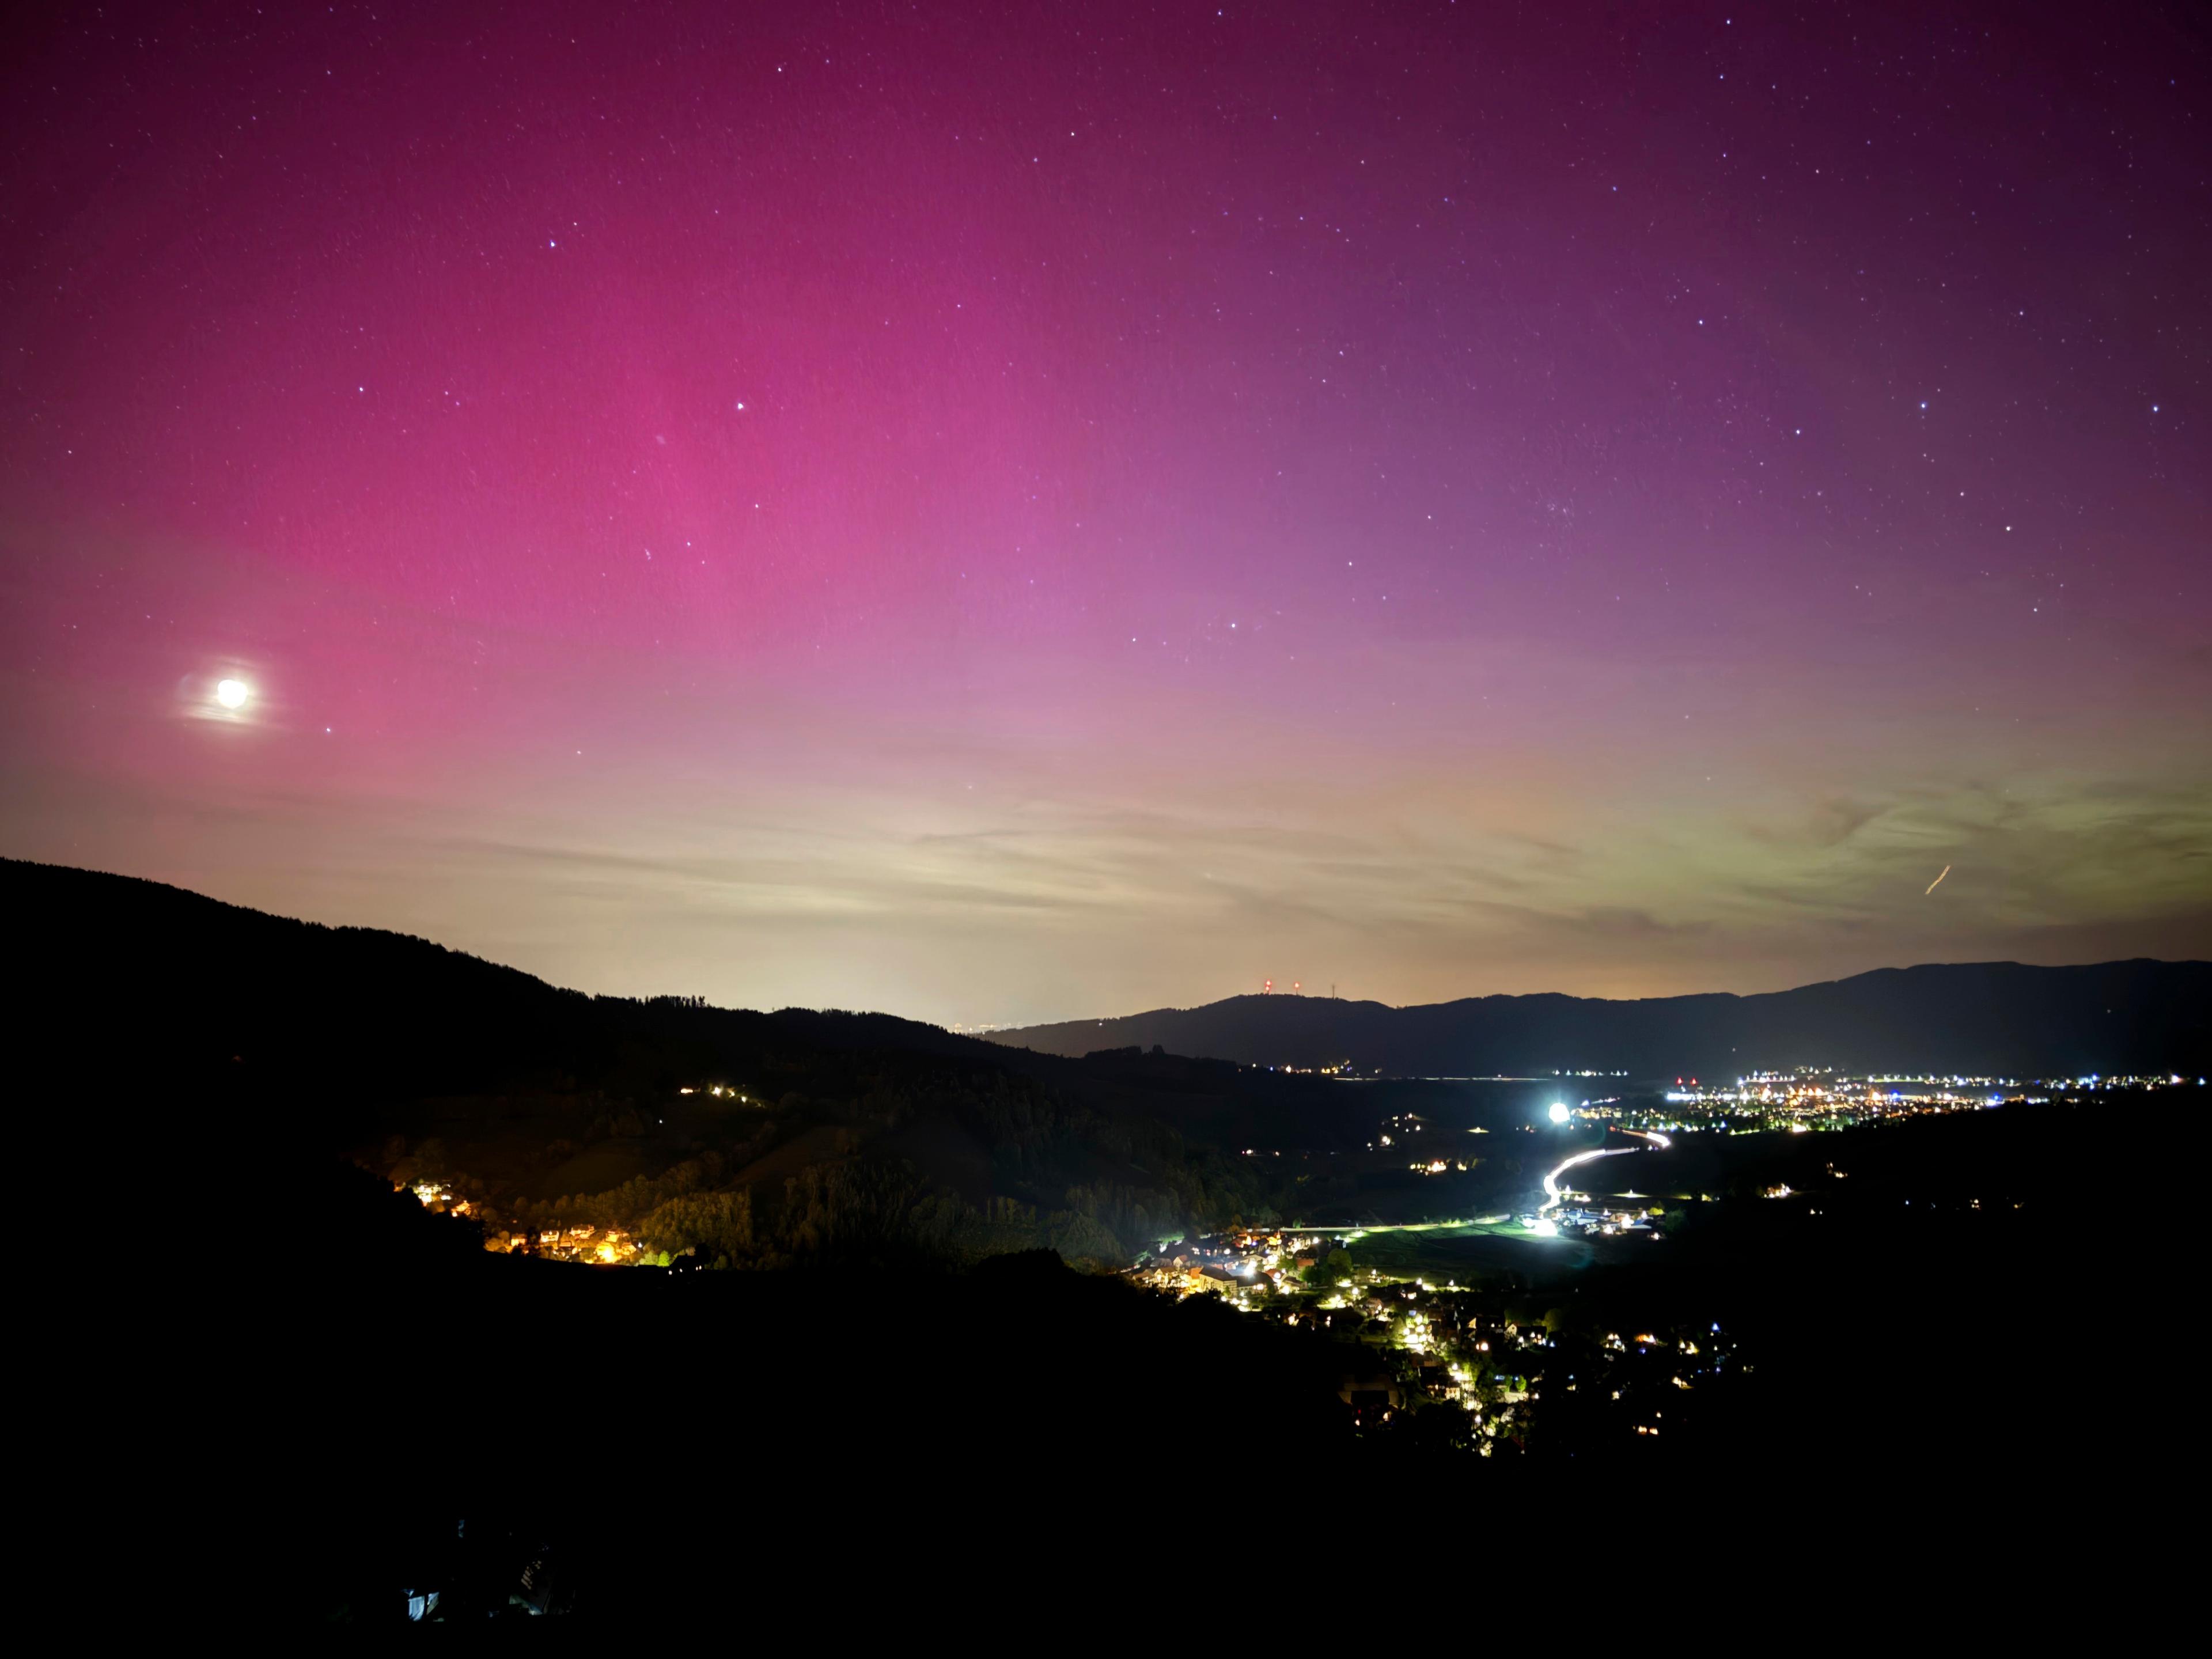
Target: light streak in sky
x=1938 y=882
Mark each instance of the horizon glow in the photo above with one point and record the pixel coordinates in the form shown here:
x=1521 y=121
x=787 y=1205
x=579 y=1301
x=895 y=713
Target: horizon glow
x=1004 y=516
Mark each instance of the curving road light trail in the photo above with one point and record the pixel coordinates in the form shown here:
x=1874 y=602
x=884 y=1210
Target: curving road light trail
x=1554 y=1197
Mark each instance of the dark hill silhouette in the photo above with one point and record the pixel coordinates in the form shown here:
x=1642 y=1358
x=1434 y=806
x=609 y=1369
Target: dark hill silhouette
x=373 y=1010
x=185 y=1032
x=2000 y=1018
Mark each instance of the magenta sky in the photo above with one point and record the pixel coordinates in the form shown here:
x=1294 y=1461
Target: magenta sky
x=1011 y=513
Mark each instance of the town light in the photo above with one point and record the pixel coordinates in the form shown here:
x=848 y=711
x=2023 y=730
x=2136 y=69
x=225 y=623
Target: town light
x=1558 y=1111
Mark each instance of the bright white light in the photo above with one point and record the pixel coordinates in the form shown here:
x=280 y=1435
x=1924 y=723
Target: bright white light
x=233 y=694
x=1558 y=1112
x=1546 y=1229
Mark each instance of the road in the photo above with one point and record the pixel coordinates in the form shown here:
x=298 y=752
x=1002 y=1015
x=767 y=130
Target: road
x=1554 y=1197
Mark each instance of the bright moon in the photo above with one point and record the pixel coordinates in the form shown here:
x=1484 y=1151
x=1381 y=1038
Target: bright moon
x=231 y=694
x=1558 y=1112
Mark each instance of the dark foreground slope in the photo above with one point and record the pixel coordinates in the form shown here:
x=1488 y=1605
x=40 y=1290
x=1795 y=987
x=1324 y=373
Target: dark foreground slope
x=1998 y=1019
x=394 y=1408
x=743 y=1444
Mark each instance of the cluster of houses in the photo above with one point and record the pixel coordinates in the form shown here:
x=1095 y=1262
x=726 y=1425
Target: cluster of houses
x=439 y=1197
x=1595 y=1223
x=1237 y=1266
x=1410 y=1345
x=605 y=1246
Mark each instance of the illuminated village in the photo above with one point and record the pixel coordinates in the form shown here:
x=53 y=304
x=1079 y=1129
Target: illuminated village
x=598 y=1247
x=1415 y=1345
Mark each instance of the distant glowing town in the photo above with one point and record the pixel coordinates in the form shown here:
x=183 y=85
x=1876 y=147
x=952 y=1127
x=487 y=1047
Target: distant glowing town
x=1808 y=1098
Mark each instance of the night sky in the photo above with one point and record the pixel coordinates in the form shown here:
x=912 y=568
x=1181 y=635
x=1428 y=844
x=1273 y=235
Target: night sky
x=1010 y=512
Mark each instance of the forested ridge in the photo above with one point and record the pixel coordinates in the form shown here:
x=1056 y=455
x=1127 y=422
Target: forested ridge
x=2004 y=1018
x=835 y=1136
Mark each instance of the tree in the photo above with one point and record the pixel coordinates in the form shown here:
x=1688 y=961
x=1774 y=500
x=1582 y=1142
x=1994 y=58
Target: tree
x=715 y=1224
